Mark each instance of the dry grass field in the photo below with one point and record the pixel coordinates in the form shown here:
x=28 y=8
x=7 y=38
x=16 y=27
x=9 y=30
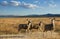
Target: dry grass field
x=10 y=25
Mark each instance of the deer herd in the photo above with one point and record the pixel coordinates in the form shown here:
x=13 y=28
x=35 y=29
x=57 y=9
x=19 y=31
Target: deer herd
x=40 y=26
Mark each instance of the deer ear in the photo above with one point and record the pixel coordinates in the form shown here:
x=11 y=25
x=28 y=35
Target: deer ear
x=27 y=19
x=50 y=18
x=53 y=18
x=40 y=22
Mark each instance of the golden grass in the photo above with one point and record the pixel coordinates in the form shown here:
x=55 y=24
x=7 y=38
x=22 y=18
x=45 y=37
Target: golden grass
x=10 y=25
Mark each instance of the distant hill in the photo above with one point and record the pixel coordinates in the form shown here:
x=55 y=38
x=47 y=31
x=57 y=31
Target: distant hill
x=45 y=15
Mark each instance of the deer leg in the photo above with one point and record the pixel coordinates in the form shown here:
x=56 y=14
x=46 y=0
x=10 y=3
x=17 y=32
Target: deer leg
x=18 y=29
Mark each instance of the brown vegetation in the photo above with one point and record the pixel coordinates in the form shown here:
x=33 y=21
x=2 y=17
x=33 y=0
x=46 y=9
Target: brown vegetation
x=10 y=25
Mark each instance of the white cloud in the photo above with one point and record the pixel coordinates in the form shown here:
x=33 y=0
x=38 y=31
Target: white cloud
x=4 y=3
x=32 y=6
x=15 y=3
x=52 y=5
x=27 y=5
x=52 y=1
x=18 y=3
x=36 y=1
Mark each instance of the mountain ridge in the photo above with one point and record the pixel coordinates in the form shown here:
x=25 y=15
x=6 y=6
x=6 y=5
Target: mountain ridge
x=33 y=15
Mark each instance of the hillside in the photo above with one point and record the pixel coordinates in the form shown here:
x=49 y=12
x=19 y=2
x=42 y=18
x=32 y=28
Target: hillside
x=33 y=15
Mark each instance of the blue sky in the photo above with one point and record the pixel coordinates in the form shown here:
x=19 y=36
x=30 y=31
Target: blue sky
x=27 y=7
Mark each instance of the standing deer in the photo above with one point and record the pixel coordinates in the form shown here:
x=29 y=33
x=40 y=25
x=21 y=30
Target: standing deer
x=48 y=27
x=24 y=26
x=35 y=26
x=51 y=26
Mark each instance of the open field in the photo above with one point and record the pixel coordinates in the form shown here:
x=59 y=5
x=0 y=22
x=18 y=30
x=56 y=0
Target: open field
x=32 y=35
x=9 y=26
